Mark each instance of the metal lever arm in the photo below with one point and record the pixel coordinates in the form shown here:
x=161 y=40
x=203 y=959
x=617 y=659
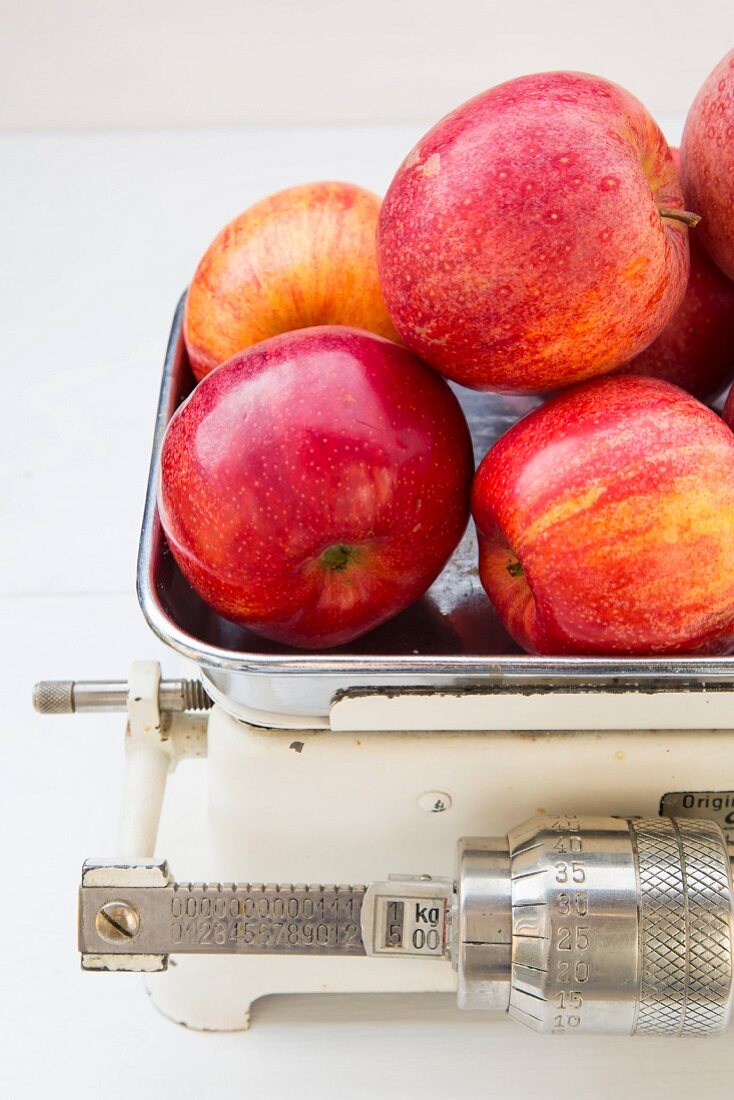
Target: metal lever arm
x=131 y=915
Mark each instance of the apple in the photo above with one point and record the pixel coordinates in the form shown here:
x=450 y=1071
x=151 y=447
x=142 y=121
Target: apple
x=303 y=257
x=316 y=484
x=606 y=523
x=536 y=236
x=695 y=350
x=728 y=412
x=707 y=162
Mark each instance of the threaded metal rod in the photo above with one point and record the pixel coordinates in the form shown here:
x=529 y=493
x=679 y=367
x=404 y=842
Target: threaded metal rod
x=72 y=696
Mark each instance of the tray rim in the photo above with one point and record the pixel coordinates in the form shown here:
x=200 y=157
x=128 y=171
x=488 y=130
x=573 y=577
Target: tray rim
x=413 y=669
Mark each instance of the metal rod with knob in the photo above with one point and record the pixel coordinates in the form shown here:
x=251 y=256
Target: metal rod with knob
x=74 y=696
x=161 y=729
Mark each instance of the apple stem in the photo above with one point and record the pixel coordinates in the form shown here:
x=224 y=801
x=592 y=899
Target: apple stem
x=685 y=216
x=515 y=569
x=338 y=557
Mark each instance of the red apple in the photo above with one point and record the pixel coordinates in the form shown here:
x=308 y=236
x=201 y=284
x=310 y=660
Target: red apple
x=606 y=523
x=707 y=162
x=305 y=256
x=531 y=239
x=728 y=412
x=316 y=484
x=695 y=350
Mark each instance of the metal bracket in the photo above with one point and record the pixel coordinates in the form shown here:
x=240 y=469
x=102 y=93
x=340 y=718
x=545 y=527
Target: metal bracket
x=160 y=731
x=116 y=920
x=153 y=747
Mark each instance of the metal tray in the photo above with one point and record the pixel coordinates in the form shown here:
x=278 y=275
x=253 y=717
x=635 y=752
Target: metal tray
x=451 y=639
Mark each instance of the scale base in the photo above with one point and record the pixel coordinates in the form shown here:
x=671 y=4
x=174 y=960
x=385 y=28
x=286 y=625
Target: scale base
x=279 y=806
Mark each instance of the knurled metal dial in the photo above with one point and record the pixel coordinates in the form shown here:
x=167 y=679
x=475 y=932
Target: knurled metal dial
x=685 y=926
x=620 y=926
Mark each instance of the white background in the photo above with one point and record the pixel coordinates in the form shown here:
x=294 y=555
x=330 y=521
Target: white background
x=100 y=230
x=100 y=63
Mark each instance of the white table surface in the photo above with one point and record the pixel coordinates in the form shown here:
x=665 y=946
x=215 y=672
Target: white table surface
x=98 y=235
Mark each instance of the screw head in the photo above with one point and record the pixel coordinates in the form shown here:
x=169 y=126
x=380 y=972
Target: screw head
x=435 y=802
x=117 y=921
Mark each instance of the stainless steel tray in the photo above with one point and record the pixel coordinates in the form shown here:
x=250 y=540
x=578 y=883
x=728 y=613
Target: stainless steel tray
x=451 y=639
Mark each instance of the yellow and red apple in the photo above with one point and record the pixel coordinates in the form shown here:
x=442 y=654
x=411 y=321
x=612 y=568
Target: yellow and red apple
x=707 y=162
x=302 y=257
x=533 y=238
x=606 y=523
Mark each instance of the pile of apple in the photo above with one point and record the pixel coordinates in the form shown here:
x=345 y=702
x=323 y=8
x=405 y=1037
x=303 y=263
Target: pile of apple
x=541 y=236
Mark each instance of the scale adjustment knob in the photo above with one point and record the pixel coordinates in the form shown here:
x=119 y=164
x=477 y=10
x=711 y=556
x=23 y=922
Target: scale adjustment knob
x=585 y=924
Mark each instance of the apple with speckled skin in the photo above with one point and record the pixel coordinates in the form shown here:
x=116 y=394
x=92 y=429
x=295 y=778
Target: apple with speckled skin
x=302 y=257
x=695 y=350
x=533 y=238
x=606 y=523
x=707 y=162
x=316 y=484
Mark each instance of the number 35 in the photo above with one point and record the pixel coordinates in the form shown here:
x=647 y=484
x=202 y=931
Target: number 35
x=576 y=871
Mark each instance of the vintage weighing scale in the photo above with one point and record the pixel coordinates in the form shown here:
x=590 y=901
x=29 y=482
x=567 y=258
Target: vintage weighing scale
x=426 y=809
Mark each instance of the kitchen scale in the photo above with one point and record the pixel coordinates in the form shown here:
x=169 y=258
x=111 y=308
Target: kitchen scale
x=425 y=809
